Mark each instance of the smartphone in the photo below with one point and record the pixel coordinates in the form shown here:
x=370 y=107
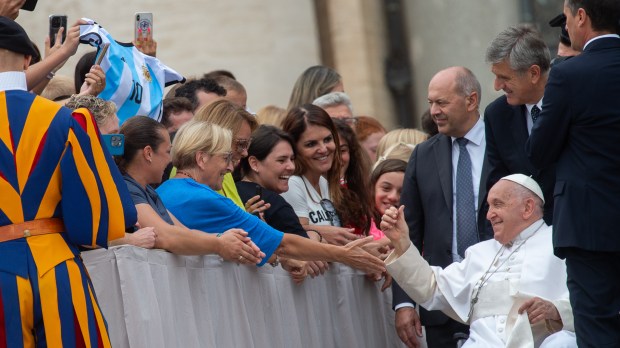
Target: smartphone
x=29 y=5
x=143 y=25
x=57 y=22
x=102 y=51
x=115 y=143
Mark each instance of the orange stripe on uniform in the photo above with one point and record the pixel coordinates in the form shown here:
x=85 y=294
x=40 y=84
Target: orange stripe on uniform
x=52 y=196
x=105 y=338
x=5 y=132
x=24 y=289
x=90 y=184
x=49 y=309
x=37 y=122
x=116 y=223
x=79 y=299
x=10 y=202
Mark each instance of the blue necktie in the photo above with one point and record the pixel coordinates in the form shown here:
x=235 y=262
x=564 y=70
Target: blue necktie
x=535 y=113
x=466 y=226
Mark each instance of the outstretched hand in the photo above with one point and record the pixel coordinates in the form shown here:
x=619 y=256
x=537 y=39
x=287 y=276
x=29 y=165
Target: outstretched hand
x=355 y=256
x=395 y=228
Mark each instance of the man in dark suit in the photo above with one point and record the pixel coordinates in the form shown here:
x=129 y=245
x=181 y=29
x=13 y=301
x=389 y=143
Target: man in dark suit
x=579 y=128
x=444 y=193
x=520 y=61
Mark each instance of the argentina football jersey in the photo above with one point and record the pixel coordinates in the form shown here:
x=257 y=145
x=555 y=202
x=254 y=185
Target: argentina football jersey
x=135 y=82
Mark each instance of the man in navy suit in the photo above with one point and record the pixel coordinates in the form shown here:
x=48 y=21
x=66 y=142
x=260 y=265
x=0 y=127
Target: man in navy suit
x=430 y=195
x=579 y=127
x=520 y=62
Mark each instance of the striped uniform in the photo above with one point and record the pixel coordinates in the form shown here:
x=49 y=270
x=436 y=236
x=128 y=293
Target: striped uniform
x=134 y=81
x=53 y=165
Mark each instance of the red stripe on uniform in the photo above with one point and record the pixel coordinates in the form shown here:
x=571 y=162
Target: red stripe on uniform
x=80 y=119
x=2 y=324
x=79 y=338
x=99 y=339
x=38 y=154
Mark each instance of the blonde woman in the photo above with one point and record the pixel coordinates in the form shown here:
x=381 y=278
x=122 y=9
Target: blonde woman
x=241 y=124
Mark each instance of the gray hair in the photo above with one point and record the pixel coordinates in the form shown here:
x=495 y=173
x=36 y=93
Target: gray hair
x=524 y=193
x=522 y=46
x=333 y=99
x=467 y=83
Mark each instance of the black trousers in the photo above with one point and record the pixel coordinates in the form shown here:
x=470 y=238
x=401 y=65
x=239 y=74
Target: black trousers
x=442 y=336
x=594 y=285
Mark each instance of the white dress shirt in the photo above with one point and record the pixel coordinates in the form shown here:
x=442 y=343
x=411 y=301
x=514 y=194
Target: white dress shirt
x=12 y=80
x=476 y=147
x=528 y=118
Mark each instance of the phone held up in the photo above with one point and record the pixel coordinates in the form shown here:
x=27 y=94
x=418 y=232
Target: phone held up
x=143 y=25
x=57 y=22
x=115 y=143
x=29 y=5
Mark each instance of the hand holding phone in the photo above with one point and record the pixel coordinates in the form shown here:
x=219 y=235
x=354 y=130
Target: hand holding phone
x=143 y=26
x=56 y=23
x=143 y=34
x=115 y=143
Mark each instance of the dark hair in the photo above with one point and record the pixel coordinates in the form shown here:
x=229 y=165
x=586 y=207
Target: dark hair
x=139 y=132
x=264 y=139
x=217 y=73
x=604 y=14
x=387 y=166
x=354 y=210
x=82 y=68
x=189 y=89
x=37 y=57
x=295 y=123
x=175 y=105
x=428 y=125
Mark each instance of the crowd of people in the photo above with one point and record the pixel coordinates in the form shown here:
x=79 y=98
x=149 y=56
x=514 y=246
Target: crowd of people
x=470 y=209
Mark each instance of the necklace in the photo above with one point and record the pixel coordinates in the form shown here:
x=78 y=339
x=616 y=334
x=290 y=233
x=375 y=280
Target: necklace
x=182 y=172
x=488 y=274
x=303 y=179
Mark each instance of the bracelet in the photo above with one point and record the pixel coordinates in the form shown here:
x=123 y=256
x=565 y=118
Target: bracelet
x=318 y=233
x=276 y=262
x=219 y=234
x=50 y=75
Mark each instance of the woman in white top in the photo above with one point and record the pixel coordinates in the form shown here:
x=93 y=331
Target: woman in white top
x=314 y=190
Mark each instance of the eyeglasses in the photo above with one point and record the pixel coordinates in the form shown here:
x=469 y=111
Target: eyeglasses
x=228 y=156
x=243 y=144
x=329 y=208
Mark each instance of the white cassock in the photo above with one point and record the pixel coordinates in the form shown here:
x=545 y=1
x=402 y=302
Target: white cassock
x=514 y=274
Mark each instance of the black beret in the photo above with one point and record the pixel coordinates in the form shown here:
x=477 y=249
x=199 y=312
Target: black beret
x=14 y=38
x=560 y=21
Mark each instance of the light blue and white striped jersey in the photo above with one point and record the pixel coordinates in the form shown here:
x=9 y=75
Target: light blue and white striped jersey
x=134 y=81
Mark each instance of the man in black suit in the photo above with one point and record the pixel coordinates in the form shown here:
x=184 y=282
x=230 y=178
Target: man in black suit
x=579 y=128
x=444 y=193
x=520 y=61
